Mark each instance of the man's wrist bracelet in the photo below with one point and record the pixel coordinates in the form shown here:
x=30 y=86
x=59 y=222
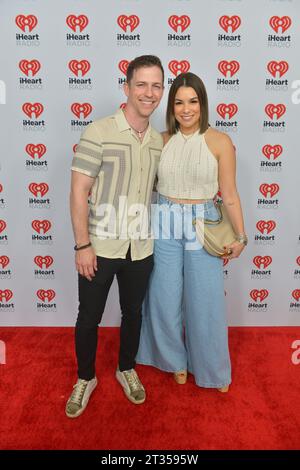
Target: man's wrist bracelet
x=77 y=248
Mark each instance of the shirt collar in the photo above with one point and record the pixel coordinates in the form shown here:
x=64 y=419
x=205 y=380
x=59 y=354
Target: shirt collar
x=123 y=125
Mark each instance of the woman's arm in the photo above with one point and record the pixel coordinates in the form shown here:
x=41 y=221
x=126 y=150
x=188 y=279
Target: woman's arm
x=227 y=186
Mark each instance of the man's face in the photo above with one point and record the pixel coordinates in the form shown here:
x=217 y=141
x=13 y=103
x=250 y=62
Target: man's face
x=145 y=90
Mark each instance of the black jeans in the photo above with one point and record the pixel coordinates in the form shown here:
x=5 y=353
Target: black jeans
x=132 y=279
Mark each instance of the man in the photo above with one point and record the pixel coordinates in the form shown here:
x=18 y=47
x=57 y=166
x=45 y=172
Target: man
x=115 y=166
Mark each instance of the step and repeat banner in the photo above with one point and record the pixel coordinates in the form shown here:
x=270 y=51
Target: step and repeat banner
x=63 y=64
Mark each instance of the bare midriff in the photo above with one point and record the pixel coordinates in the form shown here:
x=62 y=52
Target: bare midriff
x=187 y=201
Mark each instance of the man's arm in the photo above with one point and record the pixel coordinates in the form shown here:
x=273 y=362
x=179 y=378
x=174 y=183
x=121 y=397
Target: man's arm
x=85 y=259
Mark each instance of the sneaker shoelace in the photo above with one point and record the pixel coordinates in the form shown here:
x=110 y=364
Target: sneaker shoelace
x=78 y=392
x=133 y=380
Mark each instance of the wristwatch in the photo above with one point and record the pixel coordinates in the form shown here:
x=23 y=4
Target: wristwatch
x=242 y=239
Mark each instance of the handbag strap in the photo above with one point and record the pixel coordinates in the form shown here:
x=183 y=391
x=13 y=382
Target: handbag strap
x=215 y=222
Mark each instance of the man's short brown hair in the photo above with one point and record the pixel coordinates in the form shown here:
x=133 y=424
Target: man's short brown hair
x=143 y=61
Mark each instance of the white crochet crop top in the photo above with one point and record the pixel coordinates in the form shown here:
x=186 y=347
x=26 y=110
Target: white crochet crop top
x=187 y=168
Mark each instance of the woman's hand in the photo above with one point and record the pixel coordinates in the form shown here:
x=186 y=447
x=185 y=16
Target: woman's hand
x=233 y=250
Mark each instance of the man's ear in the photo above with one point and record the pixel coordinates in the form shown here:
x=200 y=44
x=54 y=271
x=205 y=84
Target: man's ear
x=126 y=89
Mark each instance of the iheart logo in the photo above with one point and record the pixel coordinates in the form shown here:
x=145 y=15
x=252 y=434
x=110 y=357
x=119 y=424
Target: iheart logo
x=259 y=294
x=182 y=22
x=38 y=188
x=35 y=150
x=31 y=109
x=5 y=295
x=123 y=105
x=1 y=188
x=270 y=189
x=43 y=261
x=230 y=22
x=28 y=22
x=284 y=23
x=44 y=295
x=4 y=260
x=84 y=108
x=30 y=67
x=265 y=226
x=225 y=261
x=123 y=66
x=228 y=69
x=296 y=294
x=272 y=151
x=273 y=110
x=277 y=68
x=41 y=226
x=130 y=22
x=262 y=261
x=79 y=66
x=298 y=260
x=2 y=225
x=75 y=147
x=177 y=67
x=80 y=22
x=227 y=109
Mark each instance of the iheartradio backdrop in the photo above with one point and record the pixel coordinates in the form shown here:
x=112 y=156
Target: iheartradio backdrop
x=63 y=64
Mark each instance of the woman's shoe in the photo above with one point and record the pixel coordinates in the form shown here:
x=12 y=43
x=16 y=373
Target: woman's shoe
x=180 y=377
x=224 y=389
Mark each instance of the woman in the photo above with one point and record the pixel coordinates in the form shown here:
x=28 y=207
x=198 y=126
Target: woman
x=184 y=325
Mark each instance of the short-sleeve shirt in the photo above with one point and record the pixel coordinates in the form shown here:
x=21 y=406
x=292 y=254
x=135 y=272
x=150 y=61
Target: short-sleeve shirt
x=124 y=170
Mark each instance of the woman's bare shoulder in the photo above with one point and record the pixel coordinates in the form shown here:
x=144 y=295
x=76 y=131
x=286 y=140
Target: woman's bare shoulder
x=218 y=138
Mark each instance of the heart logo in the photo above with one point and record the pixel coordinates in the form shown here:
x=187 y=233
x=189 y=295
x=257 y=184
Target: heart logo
x=44 y=295
x=38 y=188
x=177 y=67
x=30 y=67
x=230 y=23
x=273 y=110
x=31 y=109
x=79 y=67
x=283 y=23
x=262 y=261
x=277 y=68
x=35 y=150
x=270 y=189
x=84 y=108
x=227 y=109
x=41 y=226
x=29 y=22
x=130 y=22
x=182 y=22
x=77 y=22
x=43 y=261
x=259 y=294
x=228 y=68
x=272 y=151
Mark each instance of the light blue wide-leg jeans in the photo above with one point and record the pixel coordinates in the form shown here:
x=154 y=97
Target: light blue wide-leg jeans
x=184 y=320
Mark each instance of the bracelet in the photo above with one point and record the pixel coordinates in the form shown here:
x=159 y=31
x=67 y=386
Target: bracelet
x=77 y=248
x=242 y=239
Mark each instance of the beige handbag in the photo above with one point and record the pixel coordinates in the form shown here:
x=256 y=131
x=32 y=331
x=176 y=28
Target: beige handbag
x=215 y=234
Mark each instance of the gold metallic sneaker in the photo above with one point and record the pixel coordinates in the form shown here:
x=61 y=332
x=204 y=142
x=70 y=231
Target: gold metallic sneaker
x=132 y=386
x=180 y=377
x=80 y=396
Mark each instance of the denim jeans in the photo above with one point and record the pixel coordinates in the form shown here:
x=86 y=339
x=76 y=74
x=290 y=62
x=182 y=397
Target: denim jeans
x=184 y=323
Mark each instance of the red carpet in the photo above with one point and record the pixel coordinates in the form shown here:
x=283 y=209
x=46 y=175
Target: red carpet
x=261 y=411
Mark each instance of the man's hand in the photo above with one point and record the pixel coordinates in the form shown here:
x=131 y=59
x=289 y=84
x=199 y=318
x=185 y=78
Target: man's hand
x=86 y=262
